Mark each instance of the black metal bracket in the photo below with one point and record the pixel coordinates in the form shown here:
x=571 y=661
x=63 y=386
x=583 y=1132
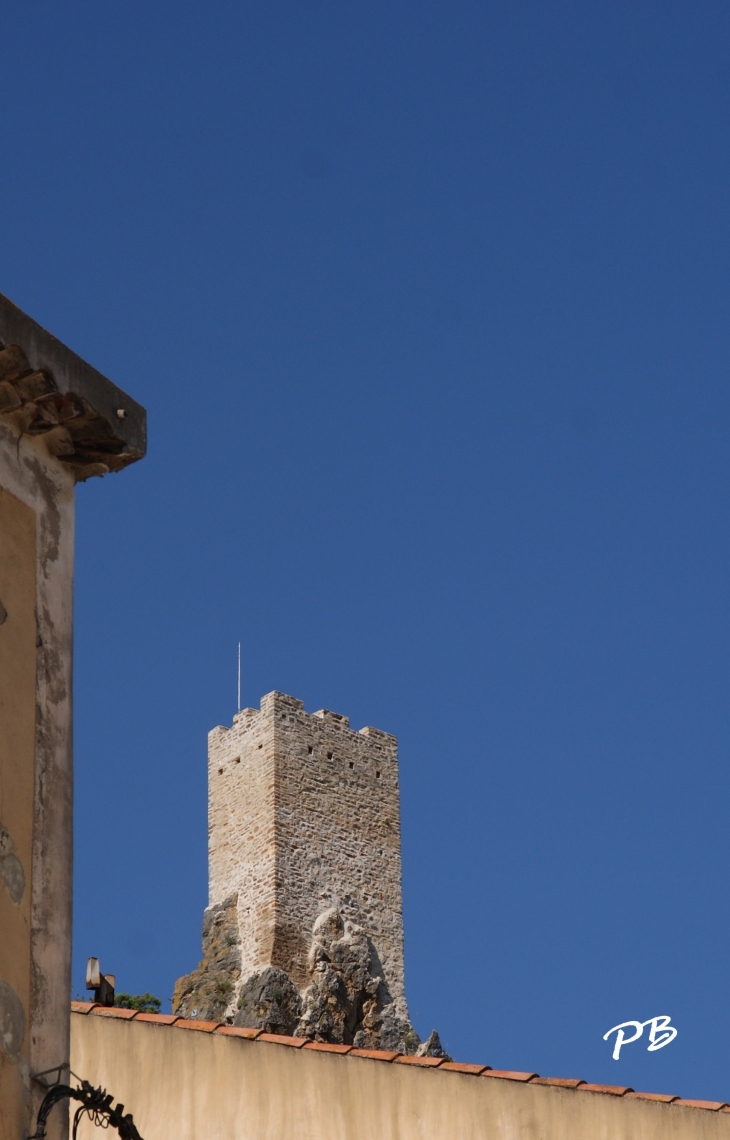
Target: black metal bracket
x=95 y=1103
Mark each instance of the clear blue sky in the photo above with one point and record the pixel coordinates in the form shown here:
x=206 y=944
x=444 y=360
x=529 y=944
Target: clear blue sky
x=428 y=304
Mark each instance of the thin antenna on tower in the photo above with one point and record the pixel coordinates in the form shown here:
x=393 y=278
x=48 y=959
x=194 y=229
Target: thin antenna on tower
x=239 y=676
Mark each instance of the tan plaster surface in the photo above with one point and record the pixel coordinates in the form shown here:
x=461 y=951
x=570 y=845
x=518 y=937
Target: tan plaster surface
x=36 y=754
x=17 y=774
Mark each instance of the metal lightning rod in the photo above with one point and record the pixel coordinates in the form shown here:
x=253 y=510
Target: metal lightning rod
x=239 y=676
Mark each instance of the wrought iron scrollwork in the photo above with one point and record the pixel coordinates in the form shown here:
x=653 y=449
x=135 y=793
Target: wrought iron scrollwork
x=95 y=1103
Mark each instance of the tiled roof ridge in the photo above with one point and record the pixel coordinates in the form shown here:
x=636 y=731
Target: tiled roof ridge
x=84 y=1007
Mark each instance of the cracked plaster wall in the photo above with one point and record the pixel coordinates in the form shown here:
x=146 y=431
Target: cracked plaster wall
x=36 y=598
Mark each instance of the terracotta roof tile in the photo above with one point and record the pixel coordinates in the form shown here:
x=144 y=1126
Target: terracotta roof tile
x=507 y=1075
x=455 y=1067
x=201 y=1026
x=239 y=1031
x=713 y=1105
x=612 y=1090
x=82 y=1006
x=326 y=1047
x=665 y=1098
x=561 y=1082
x=425 y=1062
x=158 y=1018
x=114 y=1011
x=281 y=1039
x=375 y=1054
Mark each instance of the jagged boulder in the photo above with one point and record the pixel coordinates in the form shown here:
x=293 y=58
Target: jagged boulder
x=432 y=1047
x=347 y=1001
x=207 y=992
x=269 y=1000
x=387 y=1027
x=342 y=986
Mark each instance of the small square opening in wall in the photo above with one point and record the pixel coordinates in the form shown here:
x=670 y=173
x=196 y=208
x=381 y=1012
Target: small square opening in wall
x=352 y=765
x=260 y=745
x=377 y=775
x=310 y=750
x=329 y=755
x=220 y=771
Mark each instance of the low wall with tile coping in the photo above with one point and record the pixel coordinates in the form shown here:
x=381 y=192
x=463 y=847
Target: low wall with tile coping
x=195 y=1080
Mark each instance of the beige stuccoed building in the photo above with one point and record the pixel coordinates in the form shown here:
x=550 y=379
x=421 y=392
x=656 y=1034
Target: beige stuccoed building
x=60 y=422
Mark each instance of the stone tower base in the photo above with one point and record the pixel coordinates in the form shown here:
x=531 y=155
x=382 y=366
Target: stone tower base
x=344 y=1003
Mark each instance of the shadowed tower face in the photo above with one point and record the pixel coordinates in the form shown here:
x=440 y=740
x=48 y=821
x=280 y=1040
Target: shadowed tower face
x=304 y=877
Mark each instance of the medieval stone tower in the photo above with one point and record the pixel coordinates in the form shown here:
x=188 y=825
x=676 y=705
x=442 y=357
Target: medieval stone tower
x=303 y=932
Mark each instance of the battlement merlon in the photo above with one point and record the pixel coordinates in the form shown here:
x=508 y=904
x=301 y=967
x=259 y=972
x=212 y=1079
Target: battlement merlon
x=89 y=424
x=276 y=702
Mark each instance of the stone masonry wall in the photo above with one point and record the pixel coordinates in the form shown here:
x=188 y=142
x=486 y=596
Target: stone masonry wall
x=242 y=840
x=304 y=815
x=338 y=835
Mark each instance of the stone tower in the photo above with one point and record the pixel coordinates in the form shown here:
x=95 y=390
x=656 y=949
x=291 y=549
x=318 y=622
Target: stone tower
x=303 y=932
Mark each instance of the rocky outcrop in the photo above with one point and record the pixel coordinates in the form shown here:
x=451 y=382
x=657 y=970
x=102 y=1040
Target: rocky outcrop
x=343 y=991
x=208 y=992
x=347 y=1001
x=432 y=1048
